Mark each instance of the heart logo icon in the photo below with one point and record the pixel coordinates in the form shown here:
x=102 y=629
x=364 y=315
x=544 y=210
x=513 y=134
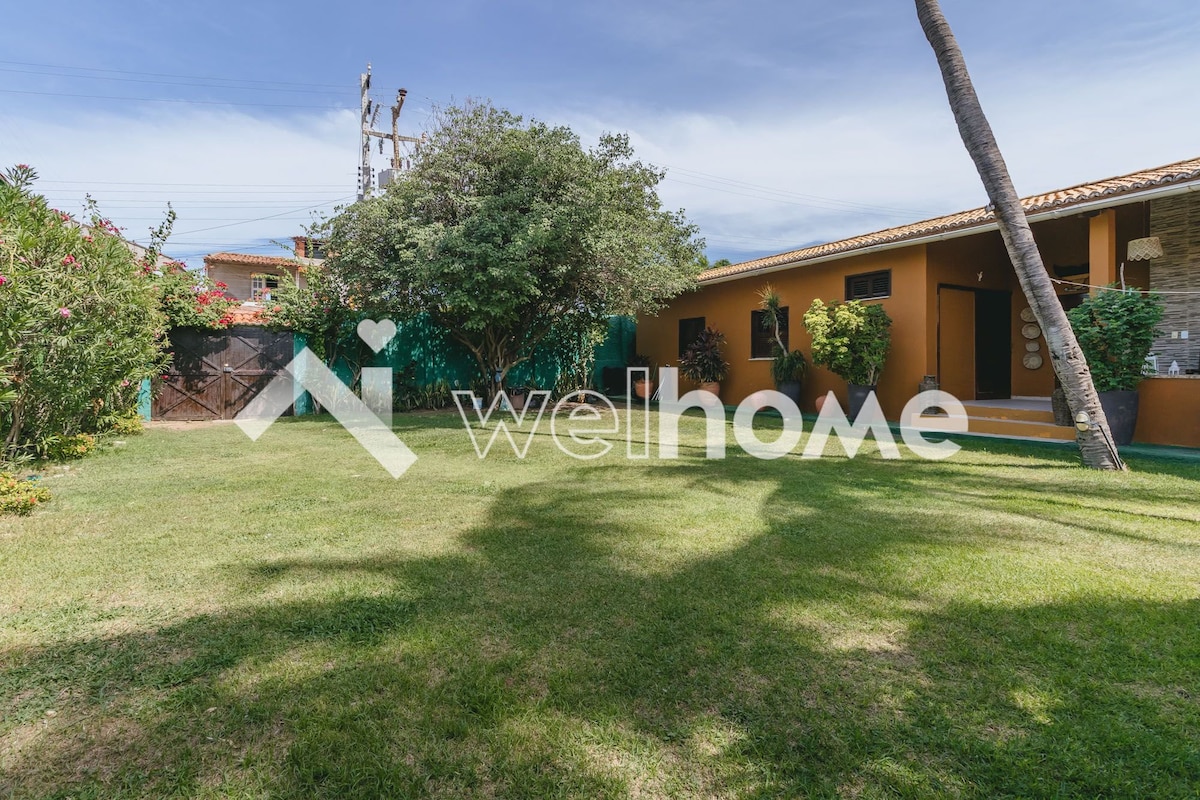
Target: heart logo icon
x=376 y=334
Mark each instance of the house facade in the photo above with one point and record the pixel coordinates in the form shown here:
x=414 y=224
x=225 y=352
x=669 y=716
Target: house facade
x=251 y=278
x=958 y=311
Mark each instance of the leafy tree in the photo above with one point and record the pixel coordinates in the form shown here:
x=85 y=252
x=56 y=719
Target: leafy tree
x=850 y=339
x=1116 y=329
x=504 y=229
x=1096 y=445
x=80 y=322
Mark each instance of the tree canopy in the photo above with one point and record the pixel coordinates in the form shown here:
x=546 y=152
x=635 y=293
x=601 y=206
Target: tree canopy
x=505 y=230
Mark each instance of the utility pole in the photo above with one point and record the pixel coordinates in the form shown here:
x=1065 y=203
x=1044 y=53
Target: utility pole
x=366 y=182
x=364 y=168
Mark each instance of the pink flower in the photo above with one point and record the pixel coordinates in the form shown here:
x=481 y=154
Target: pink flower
x=3 y=280
x=68 y=261
x=64 y=312
x=87 y=239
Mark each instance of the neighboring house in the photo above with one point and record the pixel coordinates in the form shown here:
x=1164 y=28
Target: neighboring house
x=958 y=309
x=251 y=278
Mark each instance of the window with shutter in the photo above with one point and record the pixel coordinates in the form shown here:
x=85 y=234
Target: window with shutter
x=869 y=286
x=762 y=339
x=689 y=331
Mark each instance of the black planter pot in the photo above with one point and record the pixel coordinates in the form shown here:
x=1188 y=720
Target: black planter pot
x=791 y=390
x=858 y=396
x=1121 y=409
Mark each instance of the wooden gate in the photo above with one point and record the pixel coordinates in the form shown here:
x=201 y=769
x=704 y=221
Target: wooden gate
x=214 y=374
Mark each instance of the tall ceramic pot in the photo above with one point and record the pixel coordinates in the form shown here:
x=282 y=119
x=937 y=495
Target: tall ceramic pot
x=1121 y=409
x=791 y=390
x=858 y=397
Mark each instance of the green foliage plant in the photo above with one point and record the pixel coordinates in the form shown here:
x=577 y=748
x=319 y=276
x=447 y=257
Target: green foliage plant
x=702 y=361
x=1116 y=329
x=786 y=365
x=850 y=339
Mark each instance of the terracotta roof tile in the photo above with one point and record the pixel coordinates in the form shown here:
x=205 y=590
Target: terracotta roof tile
x=1062 y=198
x=246 y=259
x=245 y=314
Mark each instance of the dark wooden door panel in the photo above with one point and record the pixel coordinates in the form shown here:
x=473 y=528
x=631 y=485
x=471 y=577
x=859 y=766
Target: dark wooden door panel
x=214 y=374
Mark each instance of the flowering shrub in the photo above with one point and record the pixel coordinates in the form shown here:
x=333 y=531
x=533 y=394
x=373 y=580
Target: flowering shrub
x=190 y=300
x=20 y=496
x=66 y=448
x=128 y=423
x=80 y=321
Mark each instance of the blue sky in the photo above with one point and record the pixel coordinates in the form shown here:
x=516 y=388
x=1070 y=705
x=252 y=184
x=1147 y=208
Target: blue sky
x=780 y=124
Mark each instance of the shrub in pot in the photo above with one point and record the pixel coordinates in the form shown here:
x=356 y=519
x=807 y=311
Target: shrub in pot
x=643 y=388
x=703 y=363
x=787 y=367
x=1116 y=329
x=851 y=340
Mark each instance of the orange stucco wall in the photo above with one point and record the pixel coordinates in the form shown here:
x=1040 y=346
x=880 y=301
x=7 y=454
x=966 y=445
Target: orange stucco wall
x=727 y=307
x=1169 y=411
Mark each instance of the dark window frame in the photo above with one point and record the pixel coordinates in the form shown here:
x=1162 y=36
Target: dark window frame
x=684 y=341
x=875 y=285
x=762 y=340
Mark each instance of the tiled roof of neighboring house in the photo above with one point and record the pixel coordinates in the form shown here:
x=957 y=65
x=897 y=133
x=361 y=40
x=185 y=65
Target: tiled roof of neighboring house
x=1178 y=172
x=245 y=314
x=248 y=260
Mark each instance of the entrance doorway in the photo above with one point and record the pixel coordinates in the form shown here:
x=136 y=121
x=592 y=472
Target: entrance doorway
x=975 y=342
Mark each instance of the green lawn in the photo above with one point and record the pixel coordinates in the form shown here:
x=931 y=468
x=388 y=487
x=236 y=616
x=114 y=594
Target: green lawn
x=197 y=615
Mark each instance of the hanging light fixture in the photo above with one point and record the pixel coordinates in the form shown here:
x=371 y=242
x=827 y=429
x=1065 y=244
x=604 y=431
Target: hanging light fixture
x=1144 y=249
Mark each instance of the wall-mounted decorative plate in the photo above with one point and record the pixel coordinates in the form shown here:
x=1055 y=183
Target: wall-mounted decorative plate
x=1031 y=331
x=1032 y=347
x=1027 y=315
x=1032 y=361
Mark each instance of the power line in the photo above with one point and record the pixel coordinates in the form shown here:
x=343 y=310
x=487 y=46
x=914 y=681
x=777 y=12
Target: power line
x=227 y=185
x=176 y=100
x=261 y=219
x=168 y=75
x=171 y=83
x=218 y=191
x=735 y=183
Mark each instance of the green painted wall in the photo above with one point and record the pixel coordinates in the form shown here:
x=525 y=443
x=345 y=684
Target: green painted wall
x=435 y=357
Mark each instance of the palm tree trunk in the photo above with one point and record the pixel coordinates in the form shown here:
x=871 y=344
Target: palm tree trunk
x=1096 y=445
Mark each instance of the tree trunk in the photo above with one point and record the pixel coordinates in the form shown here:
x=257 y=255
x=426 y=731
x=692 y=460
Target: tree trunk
x=1096 y=445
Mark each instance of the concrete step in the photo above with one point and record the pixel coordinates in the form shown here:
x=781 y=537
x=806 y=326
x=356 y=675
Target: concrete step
x=1019 y=428
x=975 y=410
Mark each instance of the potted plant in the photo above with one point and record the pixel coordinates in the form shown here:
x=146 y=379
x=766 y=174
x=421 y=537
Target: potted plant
x=702 y=361
x=787 y=367
x=1116 y=329
x=643 y=387
x=517 y=396
x=851 y=340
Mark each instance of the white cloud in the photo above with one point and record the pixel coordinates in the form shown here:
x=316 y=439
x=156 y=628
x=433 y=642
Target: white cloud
x=839 y=167
x=855 y=166
x=218 y=169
